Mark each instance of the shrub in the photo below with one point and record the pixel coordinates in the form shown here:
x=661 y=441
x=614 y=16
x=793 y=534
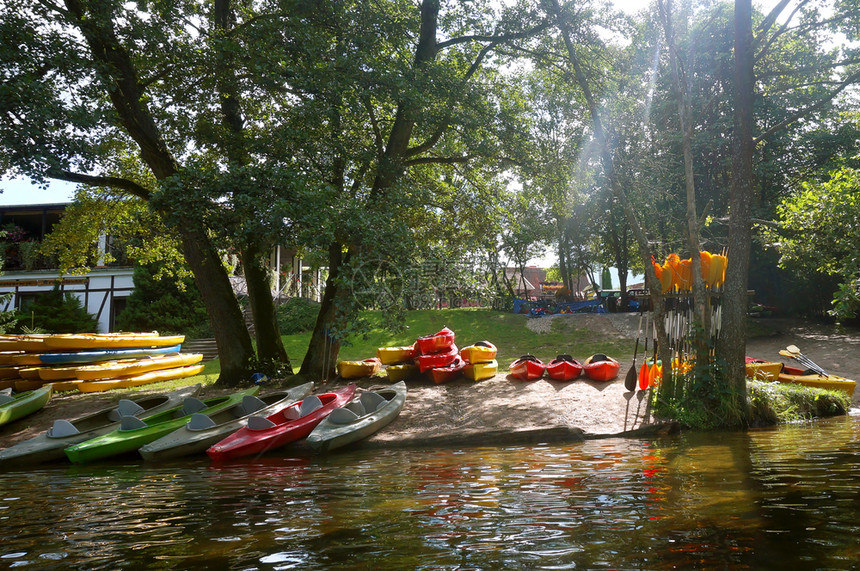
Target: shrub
x=54 y=312
x=166 y=305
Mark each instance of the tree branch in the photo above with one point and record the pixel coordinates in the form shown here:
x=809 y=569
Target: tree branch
x=128 y=186
x=495 y=39
x=439 y=160
x=851 y=79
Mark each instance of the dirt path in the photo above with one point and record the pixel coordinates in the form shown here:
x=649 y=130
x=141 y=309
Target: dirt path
x=504 y=410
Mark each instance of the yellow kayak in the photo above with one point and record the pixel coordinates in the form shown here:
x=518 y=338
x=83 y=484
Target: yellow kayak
x=128 y=367
x=137 y=380
x=832 y=382
x=22 y=385
x=30 y=343
x=393 y=355
x=481 y=371
x=397 y=373
x=78 y=342
x=480 y=352
x=358 y=369
x=762 y=370
x=19 y=358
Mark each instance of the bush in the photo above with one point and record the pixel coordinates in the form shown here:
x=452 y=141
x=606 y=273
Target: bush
x=164 y=305
x=297 y=315
x=53 y=312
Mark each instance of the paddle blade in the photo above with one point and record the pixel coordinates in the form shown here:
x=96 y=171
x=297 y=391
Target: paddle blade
x=643 y=377
x=630 y=379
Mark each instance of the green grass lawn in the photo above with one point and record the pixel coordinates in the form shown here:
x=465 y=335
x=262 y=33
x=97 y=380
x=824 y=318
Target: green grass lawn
x=507 y=331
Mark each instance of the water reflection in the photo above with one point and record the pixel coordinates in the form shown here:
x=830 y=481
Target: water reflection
x=767 y=498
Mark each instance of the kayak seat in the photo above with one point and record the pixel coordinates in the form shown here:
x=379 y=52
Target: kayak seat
x=131 y=423
x=62 y=428
x=356 y=407
x=292 y=413
x=191 y=405
x=310 y=404
x=371 y=400
x=260 y=423
x=343 y=416
x=250 y=404
x=200 y=422
x=123 y=408
x=6 y=399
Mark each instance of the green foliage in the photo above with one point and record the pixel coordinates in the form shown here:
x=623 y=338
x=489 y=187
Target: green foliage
x=817 y=233
x=774 y=402
x=297 y=315
x=54 y=312
x=164 y=305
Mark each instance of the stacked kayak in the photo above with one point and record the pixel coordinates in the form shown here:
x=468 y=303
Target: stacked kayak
x=93 y=362
x=480 y=359
x=358 y=369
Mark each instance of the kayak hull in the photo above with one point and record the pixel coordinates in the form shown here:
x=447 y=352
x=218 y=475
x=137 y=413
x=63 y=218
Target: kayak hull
x=358 y=369
x=48 y=446
x=329 y=435
x=564 y=370
x=25 y=404
x=527 y=368
x=188 y=440
x=602 y=370
x=796 y=376
x=481 y=371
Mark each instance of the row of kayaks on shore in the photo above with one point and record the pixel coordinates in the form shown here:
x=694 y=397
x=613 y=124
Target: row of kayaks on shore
x=242 y=424
x=93 y=362
x=598 y=367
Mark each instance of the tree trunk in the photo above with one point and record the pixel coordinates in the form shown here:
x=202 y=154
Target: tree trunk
x=270 y=346
x=321 y=358
x=731 y=344
x=228 y=325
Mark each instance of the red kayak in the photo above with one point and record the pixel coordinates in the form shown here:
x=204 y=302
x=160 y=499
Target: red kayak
x=437 y=342
x=564 y=368
x=441 y=375
x=442 y=359
x=599 y=367
x=263 y=434
x=527 y=368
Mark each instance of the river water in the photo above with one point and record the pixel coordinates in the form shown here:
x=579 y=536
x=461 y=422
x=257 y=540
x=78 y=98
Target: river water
x=781 y=498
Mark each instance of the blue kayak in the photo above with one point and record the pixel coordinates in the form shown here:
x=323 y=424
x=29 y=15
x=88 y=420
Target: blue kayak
x=105 y=355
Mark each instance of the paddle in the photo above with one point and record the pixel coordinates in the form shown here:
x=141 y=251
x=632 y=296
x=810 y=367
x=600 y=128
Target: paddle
x=794 y=352
x=630 y=379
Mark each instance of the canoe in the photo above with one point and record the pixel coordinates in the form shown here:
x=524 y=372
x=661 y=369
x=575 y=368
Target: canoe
x=49 y=445
x=203 y=430
x=31 y=343
x=446 y=374
x=363 y=416
x=762 y=370
x=394 y=355
x=481 y=371
x=799 y=376
x=480 y=352
x=138 y=380
x=358 y=369
x=78 y=342
x=133 y=432
x=564 y=368
x=104 y=355
x=599 y=367
x=397 y=373
x=266 y=433
x=527 y=368
x=22 y=404
x=440 y=359
x=441 y=341
x=128 y=367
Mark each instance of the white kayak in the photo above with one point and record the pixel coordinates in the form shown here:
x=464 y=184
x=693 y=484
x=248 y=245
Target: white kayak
x=365 y=415
x=202 y=431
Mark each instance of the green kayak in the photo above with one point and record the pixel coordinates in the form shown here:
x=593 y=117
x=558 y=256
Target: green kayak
x=134 y=432
x=13 y=407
